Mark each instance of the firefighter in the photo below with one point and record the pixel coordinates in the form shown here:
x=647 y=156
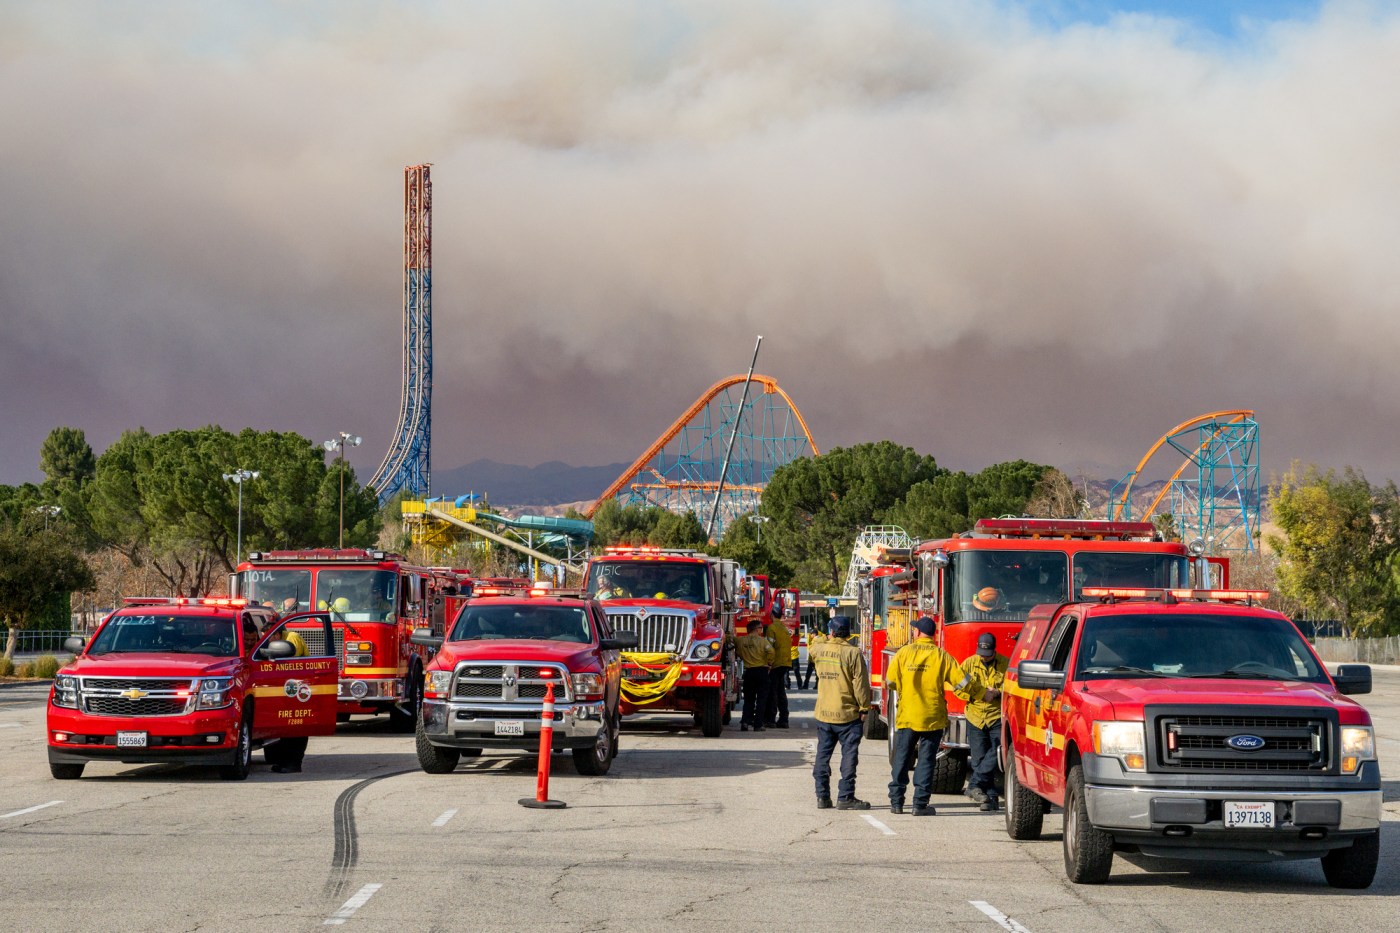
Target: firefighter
x=986 y=671
x=781 y=639
x=843 y=702
x=917 y=673
x=757 y=654
x=815 y=636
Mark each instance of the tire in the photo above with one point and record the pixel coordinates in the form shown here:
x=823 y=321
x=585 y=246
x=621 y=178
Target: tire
x=889 y=726
x=1024 y=816
x=403 y=721
x=875 y=728
x=286 y=751
x=243 y=763
x=66 y=772
x=949 y=773
x=595 y=760
x=1088 y=850
x=711 y=718
x=1353 y=867
x=432 y=758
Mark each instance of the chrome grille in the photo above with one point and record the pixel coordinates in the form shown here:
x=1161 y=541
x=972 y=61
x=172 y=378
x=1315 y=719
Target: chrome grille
x=656 y=631
x=102 y=696
x=466 y=689
x=509 y=682
x=1191 y=742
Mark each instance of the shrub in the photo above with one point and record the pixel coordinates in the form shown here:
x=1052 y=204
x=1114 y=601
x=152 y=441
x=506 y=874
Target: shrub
x=25 y=670
x=45 y=667
x=7 y=667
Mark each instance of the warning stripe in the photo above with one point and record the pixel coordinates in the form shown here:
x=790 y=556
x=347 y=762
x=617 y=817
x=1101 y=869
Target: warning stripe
x=316 y=690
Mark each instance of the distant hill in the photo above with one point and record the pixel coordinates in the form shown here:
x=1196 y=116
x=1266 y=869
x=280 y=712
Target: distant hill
x=512 y=484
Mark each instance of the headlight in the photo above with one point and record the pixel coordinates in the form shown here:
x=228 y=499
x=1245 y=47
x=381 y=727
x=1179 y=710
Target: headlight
x=214 y=692
x=587 y=685
x=1358 y=745
x=362 y=660
x=1122 y=740
x=65 y=691
x=437 y=684
x=704 y=651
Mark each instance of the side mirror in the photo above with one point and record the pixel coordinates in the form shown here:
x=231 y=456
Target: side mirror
x=1353 y=679
x=1037 y=675
x=75 y=645
x=278 y=649
x=424 y=637
x=620 y=641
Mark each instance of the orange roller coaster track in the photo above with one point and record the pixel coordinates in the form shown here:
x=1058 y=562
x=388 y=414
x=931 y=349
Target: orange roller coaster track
x=684 y=462
x=1223 y=496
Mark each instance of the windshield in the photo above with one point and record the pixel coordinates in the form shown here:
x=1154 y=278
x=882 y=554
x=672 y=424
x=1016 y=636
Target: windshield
x=542 y=623
x=1004 y=585
x=164 y=631
x=357 y=595
x=1194 y=645
x=283 y=590
x=622 y=579
x=1104 y=569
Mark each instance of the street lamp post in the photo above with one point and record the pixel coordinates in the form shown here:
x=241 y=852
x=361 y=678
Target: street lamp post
x=759 y=520
x=50 y=511
x=339 y=442
x=237 y=477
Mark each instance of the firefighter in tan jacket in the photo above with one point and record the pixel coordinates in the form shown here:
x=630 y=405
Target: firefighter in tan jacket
x=843 y=701
x=917 y=675
x=756 y=651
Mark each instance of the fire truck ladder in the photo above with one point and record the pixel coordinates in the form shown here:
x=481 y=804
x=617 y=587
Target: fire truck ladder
x=408 y=463
x=866 y=552
x=1215 y=492
x=681 y=470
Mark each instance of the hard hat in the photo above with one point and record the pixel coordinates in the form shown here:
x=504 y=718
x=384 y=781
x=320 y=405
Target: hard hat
x=321 y=604
x=341 y=604
x=987 y=599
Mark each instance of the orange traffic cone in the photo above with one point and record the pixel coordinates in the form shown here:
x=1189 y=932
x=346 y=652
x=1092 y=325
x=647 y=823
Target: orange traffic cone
x=541 y=799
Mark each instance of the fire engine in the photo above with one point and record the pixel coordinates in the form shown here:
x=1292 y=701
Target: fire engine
x=1184 y=723
x=194 y=681
x=988 y=580
x=680 y=604
x=375 y=601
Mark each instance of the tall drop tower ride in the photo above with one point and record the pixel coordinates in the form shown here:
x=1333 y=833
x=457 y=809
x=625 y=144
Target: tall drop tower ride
x=407 y=465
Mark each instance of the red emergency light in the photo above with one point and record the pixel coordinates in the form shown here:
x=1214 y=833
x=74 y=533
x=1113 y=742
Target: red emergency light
x=1085 y=529
x=1163 y=594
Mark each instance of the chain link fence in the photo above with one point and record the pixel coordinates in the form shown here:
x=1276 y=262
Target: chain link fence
x=1359 y=650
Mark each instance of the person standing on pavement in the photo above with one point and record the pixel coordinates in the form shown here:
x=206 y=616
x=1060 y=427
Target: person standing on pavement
x=781 y=640
x=917 y=674
x=843 y=702
x=757 y=654
x=816 y=634
x=986 y=672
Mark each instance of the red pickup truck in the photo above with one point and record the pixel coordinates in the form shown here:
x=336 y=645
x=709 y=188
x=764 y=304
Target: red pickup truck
x=196 y=681
x=486 y=683
x=1188 y=724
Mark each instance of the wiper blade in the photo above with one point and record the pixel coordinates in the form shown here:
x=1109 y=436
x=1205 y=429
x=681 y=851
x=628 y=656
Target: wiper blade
x=1126 y=670
x=1243 y=675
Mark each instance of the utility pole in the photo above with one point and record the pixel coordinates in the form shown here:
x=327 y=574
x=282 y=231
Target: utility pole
x=734 y=433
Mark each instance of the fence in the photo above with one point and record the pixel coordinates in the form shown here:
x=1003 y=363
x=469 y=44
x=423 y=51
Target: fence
x=49 y=641
x=1362 y=650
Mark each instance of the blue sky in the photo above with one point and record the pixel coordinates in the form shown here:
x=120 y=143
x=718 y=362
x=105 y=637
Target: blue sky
x=1226 y=18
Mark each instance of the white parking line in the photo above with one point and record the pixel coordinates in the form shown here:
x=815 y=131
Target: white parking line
x=51 y=803
x=999 y=918
x=10 y=725
x=878 y=825
x=442 y=820
x=347 y=910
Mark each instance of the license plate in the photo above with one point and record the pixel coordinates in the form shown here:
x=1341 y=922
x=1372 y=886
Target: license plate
x=131 y=740
x=516 y=727
x=1249 y=815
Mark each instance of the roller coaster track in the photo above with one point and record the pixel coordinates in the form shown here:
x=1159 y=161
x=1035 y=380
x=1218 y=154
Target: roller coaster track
x=772 y=432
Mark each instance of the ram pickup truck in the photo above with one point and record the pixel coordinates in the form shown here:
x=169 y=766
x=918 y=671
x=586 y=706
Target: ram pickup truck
x=486 y=683
x=1188 y=724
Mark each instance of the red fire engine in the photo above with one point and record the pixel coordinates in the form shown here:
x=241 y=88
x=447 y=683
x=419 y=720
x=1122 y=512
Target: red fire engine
x=988 y=579
x=680 y=604
x=375 y=601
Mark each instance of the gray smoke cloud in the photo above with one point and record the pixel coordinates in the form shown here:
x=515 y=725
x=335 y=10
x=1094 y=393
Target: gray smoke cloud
x=956 y=227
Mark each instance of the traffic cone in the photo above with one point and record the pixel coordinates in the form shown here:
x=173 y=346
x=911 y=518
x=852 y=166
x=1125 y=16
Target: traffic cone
x=541 y=799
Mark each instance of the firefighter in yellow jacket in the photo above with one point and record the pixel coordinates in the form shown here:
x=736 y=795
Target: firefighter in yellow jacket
x=986 y=672
x=917 y=675
x=756 y=651
x=843 y=702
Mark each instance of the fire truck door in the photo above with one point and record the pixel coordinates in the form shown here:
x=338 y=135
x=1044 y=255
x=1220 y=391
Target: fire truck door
x=1047 y=719
x=295 y=696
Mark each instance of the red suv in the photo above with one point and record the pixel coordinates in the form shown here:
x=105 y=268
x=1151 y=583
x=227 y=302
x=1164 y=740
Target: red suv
x=485 y=687
x=1188 y=724
x=189 y=681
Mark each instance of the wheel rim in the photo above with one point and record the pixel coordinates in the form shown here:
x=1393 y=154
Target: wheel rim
x=603 y=747
x=1010 y=789
x=245 y=746
x=889 y=733
x=1071 y=826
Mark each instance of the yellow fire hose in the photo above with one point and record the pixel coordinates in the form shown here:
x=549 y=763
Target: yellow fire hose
x=640 y=694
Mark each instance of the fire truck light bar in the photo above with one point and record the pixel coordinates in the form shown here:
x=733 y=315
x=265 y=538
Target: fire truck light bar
x=223 y=601
x=1066 y=528
x=1119 y=592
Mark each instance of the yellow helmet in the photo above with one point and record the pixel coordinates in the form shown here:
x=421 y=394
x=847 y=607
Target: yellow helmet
x=341 y=604
x=321 y=605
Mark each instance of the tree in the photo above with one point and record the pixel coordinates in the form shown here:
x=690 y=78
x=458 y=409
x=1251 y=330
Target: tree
x=953 y=502
x=1004 y=489
x=741 y=542
x=1056 y=496
x=935 y=508
x=819 y=504
x=37 y=569
x=1340 y=546
x=678 y=530
x=615 y=523
x=66 y=459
